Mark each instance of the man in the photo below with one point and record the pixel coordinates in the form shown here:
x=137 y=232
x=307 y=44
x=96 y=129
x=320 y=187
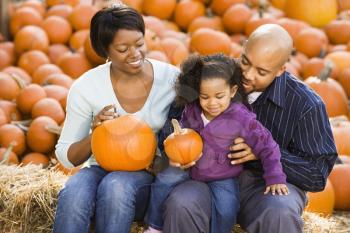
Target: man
x=298 y=121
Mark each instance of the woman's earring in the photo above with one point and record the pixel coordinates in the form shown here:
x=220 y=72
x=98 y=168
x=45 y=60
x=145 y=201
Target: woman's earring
x=108 y=59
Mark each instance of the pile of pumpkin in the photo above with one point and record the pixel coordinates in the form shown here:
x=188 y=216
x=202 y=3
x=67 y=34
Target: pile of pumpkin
x=50 y=47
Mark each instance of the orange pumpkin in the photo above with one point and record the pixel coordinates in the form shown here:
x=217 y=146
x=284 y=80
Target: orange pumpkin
x=213 y=22
x=58 y=29
x=314 y=66
x=35 y=158
x=23 y=17
x=44 y=71
x=257 y=20
x=219 y=7
x=28 y=96
x=81 y=16
x=207 y=41
x=183 y=146
x=331 y=92
x=311 y=42
x=322 y=202
x=9 y=48
x=32 y=60
x=341 y=133
x=56 y=51
x=175 y=50
x=37 y=5
x=10 y=86
x=344 y=80
x=10 y=133
x=58 y=93
x=317 y=13
x=123 y=144
x=19 y=72
x=157 y=55
x=31 y=38
x=10 y=110
x=340 y=178
x=338 y=31
x=78 y=38
x=59 y=79
x=7 y=156
x=186 y=11
x=39 y=139
x=48 y=107
x=162 y=9
x=74 y=64
x=341 y=59
x=343 y=5
x=3 y=118
x=236 y=18
x=62 y=10
x=5 y=59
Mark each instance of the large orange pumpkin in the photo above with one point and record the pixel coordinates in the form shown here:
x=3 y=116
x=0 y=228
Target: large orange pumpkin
x=81 y=16
x=207 y=41
x=162 y=9
x=331 y=92
x=22 y=17
x=220 y=6
x=31 y=38
x=340 y=178
x=322 y=202
x=35 y=158
x=10 y=133
x=32 y=60
x=186 y=11
x=311 y=42
x=124 y=144
x=184 y=145
x=236 y=17
x=74 y=64
x=58 y=29
x=28 y=96
x=338 y=31
x=315 y=12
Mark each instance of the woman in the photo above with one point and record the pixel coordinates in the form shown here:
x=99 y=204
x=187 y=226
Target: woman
x=128 y=84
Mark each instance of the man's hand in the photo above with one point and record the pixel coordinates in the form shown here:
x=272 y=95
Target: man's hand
x=240 y=152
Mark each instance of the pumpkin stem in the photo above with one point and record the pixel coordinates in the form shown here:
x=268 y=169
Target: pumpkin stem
x=177 y=127
x=7 y=153
x=54 y=129
x=18 y=80
x=25 y=128
x=24 y=122
x=326 y=71
x=209 y=13
x=263 y=5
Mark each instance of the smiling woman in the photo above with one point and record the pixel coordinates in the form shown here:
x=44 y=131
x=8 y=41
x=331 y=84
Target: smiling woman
x=126 y=84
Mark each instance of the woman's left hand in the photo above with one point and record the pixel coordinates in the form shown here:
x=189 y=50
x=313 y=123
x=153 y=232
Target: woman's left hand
x=280 y=189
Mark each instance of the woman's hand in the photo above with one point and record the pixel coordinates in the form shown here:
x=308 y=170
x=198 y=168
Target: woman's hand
x=280 y=189
x=240 y=152
x=109 y=112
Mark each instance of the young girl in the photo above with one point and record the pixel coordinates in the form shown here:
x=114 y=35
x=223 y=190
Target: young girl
x=216 y=107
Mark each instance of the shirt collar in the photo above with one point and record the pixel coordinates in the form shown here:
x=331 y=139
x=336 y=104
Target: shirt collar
x=276 y=92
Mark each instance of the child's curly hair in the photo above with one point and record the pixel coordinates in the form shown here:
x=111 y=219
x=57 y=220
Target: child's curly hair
x=197 y=68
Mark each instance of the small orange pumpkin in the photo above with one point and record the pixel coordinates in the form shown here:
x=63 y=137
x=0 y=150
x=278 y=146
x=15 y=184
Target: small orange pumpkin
x=341 y=132
x=28 y=96
x=124 y=144
x=322 y=202
x=184 y=145
x=7 y=156
x=35 y=158
x=186 y=11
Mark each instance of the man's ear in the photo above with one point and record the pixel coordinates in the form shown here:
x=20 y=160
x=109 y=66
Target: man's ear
x=281 y=70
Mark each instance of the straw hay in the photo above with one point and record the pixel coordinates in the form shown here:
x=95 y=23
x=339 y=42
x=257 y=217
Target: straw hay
x=28 y=197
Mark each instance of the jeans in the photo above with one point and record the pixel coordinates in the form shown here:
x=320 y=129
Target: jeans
x=225 y=199
x=114 y=199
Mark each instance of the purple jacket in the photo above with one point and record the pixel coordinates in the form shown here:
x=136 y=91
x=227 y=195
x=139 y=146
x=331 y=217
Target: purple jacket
x=218 y=135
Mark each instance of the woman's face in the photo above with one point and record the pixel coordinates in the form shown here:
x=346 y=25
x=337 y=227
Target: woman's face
x=127 y=51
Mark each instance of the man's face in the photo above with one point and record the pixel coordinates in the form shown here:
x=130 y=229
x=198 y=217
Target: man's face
x=260 y=67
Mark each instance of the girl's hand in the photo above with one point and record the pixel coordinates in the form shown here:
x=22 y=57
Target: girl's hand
x=183 y=167
x=280 y=189
x=109 y=112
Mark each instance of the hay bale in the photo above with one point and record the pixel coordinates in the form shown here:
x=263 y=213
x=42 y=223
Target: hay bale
x=28 y=199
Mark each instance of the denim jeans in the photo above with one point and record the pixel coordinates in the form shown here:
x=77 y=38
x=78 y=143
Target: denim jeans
x=115 y=199
x=225 y=199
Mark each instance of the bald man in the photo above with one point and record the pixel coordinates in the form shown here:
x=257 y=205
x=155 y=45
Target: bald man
x=298 y=121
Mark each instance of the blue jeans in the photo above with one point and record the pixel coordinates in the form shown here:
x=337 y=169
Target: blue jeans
x=225 y=199
x=115 y=199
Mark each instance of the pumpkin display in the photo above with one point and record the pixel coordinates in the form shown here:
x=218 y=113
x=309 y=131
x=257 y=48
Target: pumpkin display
x=183 y=146
x=322 y=202
x=317 y=13
x=340 y=178
x=330 y=91
x=125 y=143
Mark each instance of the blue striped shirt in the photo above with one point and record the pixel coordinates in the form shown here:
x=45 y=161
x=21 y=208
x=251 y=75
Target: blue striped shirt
x=298 y=121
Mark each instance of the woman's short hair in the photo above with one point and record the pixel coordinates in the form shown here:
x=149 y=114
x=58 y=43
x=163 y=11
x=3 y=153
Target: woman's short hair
x=106 y=22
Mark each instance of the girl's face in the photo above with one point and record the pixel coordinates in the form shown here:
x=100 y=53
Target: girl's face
x=215 y=96
x=127 y=51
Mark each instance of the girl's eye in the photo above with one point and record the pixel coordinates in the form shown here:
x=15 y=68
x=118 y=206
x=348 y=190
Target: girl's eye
x=220 y=97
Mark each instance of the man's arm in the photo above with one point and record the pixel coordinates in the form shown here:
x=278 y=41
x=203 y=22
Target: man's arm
x=312 y=153
x=310 y=156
